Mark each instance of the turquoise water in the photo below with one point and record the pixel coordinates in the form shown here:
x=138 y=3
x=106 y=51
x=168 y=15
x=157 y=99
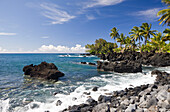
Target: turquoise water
x=17 y=91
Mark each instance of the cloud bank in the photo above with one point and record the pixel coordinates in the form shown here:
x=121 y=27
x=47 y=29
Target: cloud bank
x=61 y=49
x=49 y=49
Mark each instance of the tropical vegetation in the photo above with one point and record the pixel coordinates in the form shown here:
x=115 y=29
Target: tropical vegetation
x=165 y=18
x=153 y=40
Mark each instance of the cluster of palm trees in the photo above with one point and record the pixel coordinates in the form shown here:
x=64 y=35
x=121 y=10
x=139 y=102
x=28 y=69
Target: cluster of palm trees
x=138 y=34
x=153 y=40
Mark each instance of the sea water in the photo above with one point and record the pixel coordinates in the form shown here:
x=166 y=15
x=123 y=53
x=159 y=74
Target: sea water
x=19 y=93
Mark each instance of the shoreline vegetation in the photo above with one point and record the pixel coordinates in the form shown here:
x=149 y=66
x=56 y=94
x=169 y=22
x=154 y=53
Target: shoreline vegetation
x=129 y=57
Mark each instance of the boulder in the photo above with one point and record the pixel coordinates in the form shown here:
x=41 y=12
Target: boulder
x=83 y=62
x=120 y=67
x=92 y=63
x=47 y=71
x=95 y=89
x=103 y=107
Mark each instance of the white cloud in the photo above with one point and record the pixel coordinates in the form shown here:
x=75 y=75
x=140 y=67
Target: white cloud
x=48 y=49
x=95 y=3
x=61 y=49
x=90 y=17
x=45 y=37
x=56 y=15
x=2 y=50
x=7 y=34
x=150 y=14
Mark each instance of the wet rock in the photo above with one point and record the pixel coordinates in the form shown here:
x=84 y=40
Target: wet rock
x=112 y=109
x=59 y=102
x=95 y=89
x=103 y=107
x=74 y=98
x=91 y=102
x=126 y=102
x=156 y=72
x=131 y=108
x=47 y=111
x=34 y=105
x=121 y=67
x=74 y=108
x=139 y=110
x=103 y=98
x=87 y=93
x=47 y=71
x=153 y=108
x=151 y=101
x=27 y=100
x=83 y=62
x=162 y=95
x=92 y=63
x=86 y=109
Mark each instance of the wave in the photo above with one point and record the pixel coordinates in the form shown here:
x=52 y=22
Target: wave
x=76 y=56
x=113 y=82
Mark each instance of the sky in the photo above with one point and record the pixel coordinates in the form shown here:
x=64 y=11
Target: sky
x=59 y=26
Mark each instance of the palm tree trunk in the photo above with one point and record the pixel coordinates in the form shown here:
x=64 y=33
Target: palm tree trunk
x=139 y=45
x=145 y=40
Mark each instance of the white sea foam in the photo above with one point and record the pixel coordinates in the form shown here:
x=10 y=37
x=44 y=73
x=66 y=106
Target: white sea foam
x=4 y=105
x=114 y=81
x=76 y=56
x=77 y=97
x=166 y=69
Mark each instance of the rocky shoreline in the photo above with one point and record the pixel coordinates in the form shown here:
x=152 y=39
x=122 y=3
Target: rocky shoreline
x=145 y=98
x=131 y=62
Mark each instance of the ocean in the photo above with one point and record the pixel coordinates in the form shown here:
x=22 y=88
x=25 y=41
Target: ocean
x=19 y=93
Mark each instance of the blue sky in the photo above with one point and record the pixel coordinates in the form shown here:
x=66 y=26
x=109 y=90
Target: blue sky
x=68 y=25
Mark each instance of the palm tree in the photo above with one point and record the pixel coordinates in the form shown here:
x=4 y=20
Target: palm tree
x=121 y=39
x=114 y=34
x=128 y=42
x=167 y=2
x=166 y=34
x=146 y=31
x=157 y=41
x=165 y=14
x=136 y=34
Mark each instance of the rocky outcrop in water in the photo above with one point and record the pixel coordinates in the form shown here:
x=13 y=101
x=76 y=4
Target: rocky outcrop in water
x=88 y=63
x=44 y=70
x=145 y=98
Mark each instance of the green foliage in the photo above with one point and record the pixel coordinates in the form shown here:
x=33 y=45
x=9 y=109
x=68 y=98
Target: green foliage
x=165 y=18
x=136 y=34
x=166 y=34
x=101 y=46
x=114 y=33
x=146 y=31
x=153 y=41
x=121 y=39
x=146 y=47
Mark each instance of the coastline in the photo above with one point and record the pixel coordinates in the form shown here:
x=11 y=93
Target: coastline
x=81 y=94
x=145 y=98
